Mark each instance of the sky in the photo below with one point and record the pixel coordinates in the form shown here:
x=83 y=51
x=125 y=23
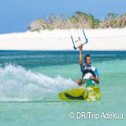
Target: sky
x=16 y=15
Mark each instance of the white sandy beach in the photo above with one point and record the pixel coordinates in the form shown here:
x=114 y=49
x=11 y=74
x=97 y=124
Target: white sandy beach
x=99 y=39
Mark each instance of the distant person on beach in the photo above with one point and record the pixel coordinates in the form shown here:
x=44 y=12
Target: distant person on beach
x=88 y=71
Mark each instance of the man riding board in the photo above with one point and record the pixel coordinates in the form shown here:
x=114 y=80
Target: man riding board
x=88 y=71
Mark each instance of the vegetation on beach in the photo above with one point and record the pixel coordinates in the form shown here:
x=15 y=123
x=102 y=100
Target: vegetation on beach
x=78 y=20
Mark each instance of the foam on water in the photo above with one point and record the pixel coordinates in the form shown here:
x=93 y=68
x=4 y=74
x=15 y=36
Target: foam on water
x=19 y=84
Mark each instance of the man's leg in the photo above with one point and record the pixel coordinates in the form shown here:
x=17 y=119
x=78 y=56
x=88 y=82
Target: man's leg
x=79 y=82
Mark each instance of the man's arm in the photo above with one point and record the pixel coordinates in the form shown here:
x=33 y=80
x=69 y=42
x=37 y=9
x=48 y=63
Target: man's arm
x=80 y=56
x=96 y=79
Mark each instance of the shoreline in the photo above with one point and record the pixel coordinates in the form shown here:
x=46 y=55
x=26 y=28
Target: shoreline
x=1 y=50
x=59 y=40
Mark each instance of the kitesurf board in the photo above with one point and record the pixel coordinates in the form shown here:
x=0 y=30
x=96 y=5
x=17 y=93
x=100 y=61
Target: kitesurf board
x=91 y=93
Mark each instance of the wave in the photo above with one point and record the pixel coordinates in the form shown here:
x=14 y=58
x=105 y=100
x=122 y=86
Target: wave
x=19 y=84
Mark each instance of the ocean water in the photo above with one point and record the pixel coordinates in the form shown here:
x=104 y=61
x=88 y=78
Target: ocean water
x=31 y=80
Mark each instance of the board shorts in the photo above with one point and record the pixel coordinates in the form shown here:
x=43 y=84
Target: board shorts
x=86 y=83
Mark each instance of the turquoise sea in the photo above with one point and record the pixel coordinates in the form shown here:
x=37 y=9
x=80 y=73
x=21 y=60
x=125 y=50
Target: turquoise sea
x=31 y=80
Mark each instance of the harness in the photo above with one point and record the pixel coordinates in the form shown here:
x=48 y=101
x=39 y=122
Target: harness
x=88 y=70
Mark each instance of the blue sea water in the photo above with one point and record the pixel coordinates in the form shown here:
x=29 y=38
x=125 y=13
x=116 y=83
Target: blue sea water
x=31 y=80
